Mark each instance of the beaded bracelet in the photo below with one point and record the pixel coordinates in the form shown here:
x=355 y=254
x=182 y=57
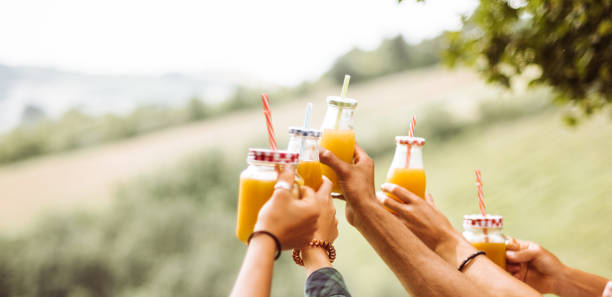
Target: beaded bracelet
x=324 y=244
x=276 y=241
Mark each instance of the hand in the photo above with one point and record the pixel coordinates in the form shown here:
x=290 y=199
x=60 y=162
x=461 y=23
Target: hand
x=327 y=229
x=534 y=265
x=420 y=216
x=356 y=180
x=327 y=225
x=293 y=221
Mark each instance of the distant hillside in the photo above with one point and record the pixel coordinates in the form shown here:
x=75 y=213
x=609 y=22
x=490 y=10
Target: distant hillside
x=52 y=92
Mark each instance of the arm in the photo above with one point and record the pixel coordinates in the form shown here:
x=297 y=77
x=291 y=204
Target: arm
x=291 y=220
x=542 y=270
x=434 y=229
x=421 y=271
x=323 y=280
x=255 y=277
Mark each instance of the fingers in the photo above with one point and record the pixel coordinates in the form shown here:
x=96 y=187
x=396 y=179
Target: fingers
x=512 y=244
x=429 y=199
x=328 y=158
x=284 y=182
x=521 y=256
x=390 y=203
x=360 y=155
x=400 y=193
x=326 y=187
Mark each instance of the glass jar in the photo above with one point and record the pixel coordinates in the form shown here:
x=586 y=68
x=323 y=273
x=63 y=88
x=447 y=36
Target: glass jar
x=257 y=185
x=306 y=143
x=485 y=234
x=338 y=135
x=406 y=169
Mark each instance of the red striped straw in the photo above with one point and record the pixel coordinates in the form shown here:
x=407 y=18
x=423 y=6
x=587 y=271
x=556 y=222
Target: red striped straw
x=266 y=105
x=480 y=193
x=408 y=147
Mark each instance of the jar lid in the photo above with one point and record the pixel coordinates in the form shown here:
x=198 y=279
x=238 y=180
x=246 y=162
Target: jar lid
x=301 y=131
x=342 y=102
x=480 y=221
x=420 y=141
x=275 y=157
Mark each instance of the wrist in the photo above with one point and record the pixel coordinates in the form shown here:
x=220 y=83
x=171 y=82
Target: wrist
x=562 y=281
x=361 y=210
x=453 y=248
x=315 y=258
x=265 y=245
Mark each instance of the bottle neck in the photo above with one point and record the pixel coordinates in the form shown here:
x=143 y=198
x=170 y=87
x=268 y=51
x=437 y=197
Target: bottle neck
x=338 y=118
x=411 y=153
x=306 y=146
x=478 y=231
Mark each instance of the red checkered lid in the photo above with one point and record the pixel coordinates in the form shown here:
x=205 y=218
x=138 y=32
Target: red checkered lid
x=270 y=156
x=410 y=140
x=480 y=221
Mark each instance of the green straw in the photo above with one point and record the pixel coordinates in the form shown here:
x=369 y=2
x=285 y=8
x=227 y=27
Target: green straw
x=345 y=85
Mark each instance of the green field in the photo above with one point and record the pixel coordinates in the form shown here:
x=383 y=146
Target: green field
x=172 y=232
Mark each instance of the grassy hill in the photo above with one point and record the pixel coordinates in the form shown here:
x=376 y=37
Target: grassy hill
x=172 y=232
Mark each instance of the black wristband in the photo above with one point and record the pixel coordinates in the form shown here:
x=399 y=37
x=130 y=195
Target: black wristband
x=468 y=259
x=278 y=245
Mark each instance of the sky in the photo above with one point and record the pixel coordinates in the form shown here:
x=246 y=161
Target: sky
x=273 y=41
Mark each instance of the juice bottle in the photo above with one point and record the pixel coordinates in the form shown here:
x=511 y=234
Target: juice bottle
x=257 y=185
x=406 y=169
x=338 y=134
x=485 y=234
x=305 y=142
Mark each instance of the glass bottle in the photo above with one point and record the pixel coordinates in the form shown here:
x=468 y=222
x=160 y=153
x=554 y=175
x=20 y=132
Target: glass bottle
x=406 y=169
x=338 y=135
x=485 y=234
x=306 y=143
x=257 y=185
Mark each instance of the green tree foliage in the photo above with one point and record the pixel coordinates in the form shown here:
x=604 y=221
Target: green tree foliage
x=569 y=42
x=393 y=55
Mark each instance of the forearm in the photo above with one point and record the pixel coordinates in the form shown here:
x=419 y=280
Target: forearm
x=575 y=283
x=419 y=269
x=255 y=277
x=481 y=270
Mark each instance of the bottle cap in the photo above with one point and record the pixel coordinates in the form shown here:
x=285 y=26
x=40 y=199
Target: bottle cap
x=410 y=140
x=275 y=157
x=342 y=102
x=480 y=221
x=301 y=131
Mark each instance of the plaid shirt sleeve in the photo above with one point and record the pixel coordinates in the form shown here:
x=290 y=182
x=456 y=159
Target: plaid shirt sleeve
x=326 y=282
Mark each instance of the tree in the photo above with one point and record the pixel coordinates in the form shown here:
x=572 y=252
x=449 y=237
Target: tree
x=569 y=42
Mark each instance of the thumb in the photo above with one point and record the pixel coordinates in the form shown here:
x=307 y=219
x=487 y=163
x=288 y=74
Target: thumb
x=328 y=158
x=521 y=256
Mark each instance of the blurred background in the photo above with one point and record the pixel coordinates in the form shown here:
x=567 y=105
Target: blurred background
x=124 y=126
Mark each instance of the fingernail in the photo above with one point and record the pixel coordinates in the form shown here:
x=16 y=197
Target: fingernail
x=381 y=197
x=325 y=178
x=387 y=187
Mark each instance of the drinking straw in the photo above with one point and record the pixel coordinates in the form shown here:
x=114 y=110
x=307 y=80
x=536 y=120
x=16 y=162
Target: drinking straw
x=268 y=115
x=408 y=146
x=345 y=85
x=306 y=125
x=480 y=193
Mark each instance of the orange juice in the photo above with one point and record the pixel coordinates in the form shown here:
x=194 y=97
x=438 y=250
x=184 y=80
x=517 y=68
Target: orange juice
x=252 y=195
x=342 y=144
x=495 y=251
x=485 y=234
x=410 y=179
x=310 y=171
